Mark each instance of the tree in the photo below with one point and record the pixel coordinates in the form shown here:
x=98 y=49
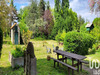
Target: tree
x=94 y=5
x=65 y=18
x=41 y=8
x=50 y=22
x=32 y=15
x=57 y=5
x=4 y=11
x=48 y=6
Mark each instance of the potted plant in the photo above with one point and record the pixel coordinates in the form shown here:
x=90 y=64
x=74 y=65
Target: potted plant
x=16 y=57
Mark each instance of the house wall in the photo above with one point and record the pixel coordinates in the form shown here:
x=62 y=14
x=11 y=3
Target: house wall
x=18 y=35
x=12 y=36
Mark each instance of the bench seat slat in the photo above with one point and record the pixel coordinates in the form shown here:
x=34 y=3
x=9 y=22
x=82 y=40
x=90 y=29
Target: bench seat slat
x=64 y=64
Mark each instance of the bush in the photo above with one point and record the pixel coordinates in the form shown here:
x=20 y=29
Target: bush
x=78 y=43
x=60 y=36
x=1 y=40
x=92 y=51
x=18 y=52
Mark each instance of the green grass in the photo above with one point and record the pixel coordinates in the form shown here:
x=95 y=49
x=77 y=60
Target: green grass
x=44 y=67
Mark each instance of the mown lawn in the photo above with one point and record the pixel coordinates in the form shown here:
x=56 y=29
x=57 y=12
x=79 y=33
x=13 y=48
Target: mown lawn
x=44 y=67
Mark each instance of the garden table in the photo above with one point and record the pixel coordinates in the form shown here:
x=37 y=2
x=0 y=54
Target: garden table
x=72 y=56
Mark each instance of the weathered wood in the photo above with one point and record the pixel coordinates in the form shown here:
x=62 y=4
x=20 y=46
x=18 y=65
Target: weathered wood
x=29 y=60
x=71 y=67
x=84 y=61
x=63 y=58
x=30 y=49
x=58 y=59
x=70 y=55
x=81 y=66
x=78 y=66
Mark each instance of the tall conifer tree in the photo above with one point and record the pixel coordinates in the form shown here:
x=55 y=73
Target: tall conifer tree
x=41 y=7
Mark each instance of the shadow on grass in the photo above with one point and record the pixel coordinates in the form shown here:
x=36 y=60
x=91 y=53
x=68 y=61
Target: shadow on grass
x=45 y=67
x=10 y=71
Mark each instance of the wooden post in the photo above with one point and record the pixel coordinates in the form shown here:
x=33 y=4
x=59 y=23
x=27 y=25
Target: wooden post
x=58 y=59
x=81 y=66
x=66 y=60
x=78 y=66
x=68 y=71
x=72 y=65
x=63 y=58
x=29 y=60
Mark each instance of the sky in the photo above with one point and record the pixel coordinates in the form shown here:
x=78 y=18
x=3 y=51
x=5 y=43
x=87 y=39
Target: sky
x=81 y=7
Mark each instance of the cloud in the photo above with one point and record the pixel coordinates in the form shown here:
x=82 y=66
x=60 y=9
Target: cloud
x=21 y=1
x=22 y=6
x=81 y=7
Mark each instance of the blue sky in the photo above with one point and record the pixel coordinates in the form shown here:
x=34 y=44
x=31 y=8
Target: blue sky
x=81 y=7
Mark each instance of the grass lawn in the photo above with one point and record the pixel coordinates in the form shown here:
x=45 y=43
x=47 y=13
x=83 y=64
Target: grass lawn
x=44 y=67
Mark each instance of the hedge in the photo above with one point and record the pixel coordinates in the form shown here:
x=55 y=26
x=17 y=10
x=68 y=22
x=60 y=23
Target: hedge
x=78 y=42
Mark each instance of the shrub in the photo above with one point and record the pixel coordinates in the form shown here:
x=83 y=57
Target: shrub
x=18 y=52
x=60 y=36
x=78 y=43
x=26 y=36
x=1 y=40
x=92 y=51
x=57 y=38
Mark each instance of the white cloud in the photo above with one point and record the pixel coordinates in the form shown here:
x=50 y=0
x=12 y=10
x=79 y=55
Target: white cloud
x=22 y=6
x=81 y=7
x=21 y=1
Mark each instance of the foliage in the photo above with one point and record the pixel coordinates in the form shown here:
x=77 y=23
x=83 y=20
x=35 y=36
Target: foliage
x=60 y=36
x=22 y=24
x=1 y=40
x=96 y=31
x=50 y=23
x=65 y=18
x=83 y=28
x=26 y=37
x=92 y=51
x=78 y=42
x=4 y=11
x=33 y=14
x=17 y=52
x=41 y=8
x=57 y=37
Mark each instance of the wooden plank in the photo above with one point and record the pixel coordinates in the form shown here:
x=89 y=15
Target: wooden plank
x=71 y=55
x=84 y=61
x=64 y=64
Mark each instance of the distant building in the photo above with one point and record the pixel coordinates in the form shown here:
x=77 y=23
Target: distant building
x=89 y=26
x=15 y=34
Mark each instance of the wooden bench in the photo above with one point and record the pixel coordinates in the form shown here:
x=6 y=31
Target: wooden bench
x=69 y=66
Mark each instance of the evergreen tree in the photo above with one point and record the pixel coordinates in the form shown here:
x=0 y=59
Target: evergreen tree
x=48 y=5
x=57 y=6
x=41 y=7
x=32 y=15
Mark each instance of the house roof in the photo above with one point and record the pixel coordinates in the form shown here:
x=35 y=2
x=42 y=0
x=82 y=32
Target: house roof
x=13 y=25
x=89 y=25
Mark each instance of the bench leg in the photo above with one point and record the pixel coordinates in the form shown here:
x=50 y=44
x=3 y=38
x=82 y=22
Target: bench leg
x=72 y=65
x=66 y=60
x=58 y=59
x=63 y=57
x=81 y=66
x=78 y=66
x=68 y=71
